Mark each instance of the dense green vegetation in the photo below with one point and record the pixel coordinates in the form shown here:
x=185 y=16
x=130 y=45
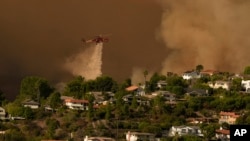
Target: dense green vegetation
x=114 y=119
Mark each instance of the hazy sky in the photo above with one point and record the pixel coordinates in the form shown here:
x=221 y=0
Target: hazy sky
x=38 y=36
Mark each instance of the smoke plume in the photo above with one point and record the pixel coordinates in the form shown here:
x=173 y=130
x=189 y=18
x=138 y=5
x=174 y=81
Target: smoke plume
x=138 y=76
x=87 y=63
x=214 y=33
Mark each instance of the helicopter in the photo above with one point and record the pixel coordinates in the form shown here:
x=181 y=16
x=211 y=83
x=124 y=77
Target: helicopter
x=97 y=39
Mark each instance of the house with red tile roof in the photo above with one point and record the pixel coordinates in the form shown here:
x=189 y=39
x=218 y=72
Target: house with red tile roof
x=209 y=72
x=76 y=104
x=228 y=117
x=222 y=134
x=136 y=90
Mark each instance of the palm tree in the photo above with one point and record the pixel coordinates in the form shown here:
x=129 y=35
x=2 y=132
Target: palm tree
x=145 y=73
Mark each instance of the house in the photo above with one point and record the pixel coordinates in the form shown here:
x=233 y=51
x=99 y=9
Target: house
x=54 y=140
x=185 y=130
x=31 y=104
x=2 y=132
x=2 y=113
x=103 y=98
x=128 y=98
x=168 y=96
x=140 y=100
x=222 y=134
x=198 y=120
x=138 y=136
x=98 y=139
x=161 y=84
x=63 y=97
x=76 y=104
x=190 y=75
x=228 y=117
x=196 y=92
x=246 y=85
x=99 y=98
x=208 y=72
x=136 y=90
x=220 y=84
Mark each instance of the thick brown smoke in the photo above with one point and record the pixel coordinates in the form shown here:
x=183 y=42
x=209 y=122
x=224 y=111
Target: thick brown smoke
x=37 y=36
x=214 y=33
x=138 y=76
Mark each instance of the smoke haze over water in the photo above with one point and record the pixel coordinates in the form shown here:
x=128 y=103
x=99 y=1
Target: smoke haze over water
x=214 y=33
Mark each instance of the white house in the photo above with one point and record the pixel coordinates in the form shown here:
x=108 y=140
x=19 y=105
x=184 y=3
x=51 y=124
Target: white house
x=31 y=104
x=135 y=136
x=220 y=84
x=222 y=134
x=161 y=84
x=2 y=113
x=190 y=75
x=185 y=130
x=98 y=139
x=246 y=85
x=76 y=104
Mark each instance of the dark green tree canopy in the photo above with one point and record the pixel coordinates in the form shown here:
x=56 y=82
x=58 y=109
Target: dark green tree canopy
x=55 y=100
x=104 y=83
x=199 y=68
x=79 y=87
x=76 y=87
x=2 y=98
x=154 y=80
x=35 y=87
x=247 y=70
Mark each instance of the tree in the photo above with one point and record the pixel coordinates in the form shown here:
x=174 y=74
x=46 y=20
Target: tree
x=14 y=135
x=119 y=104
x=108 y=112
x=191 y=138
x=104 y=83
x=55 y=100
x=158 y=105
x=145 y=74
x=52 y=125
x=244 y=119
x=154 y=80
x=90 y=113
x=225 y=125
x=75 y=87
x=34 y=87
x=236 y=84
x=247 y=70
x=199 y=68
x=28 y=113
x=2 y=98
x=134 y=103
x=15 y=109
x=209 y=130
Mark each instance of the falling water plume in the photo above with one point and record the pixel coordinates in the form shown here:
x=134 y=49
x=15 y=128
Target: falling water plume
x=87 y=63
